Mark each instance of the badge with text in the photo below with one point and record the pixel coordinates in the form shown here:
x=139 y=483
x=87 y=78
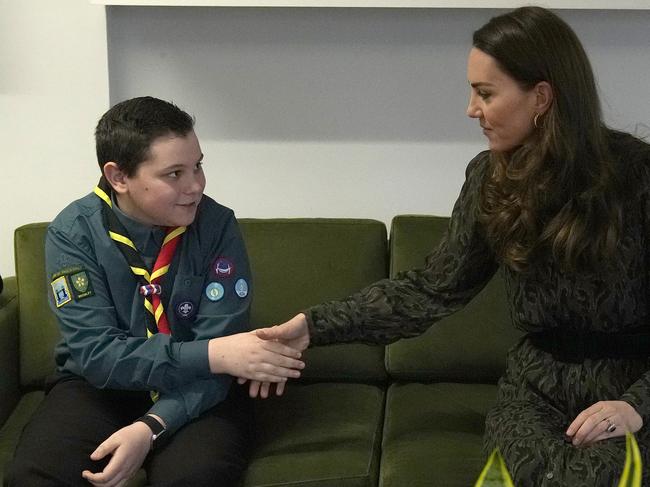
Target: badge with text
x=215 y=291
x=81 y=285
x=241 y=288
x=223 y=267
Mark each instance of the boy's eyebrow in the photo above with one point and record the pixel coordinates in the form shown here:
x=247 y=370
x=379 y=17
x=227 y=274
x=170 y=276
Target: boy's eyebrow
x=178 y=165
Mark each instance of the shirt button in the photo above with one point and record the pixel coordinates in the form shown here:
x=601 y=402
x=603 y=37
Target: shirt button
x=549 y=475
x=186 y=282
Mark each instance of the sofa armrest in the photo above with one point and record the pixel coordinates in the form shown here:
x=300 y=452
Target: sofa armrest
x=9 y=378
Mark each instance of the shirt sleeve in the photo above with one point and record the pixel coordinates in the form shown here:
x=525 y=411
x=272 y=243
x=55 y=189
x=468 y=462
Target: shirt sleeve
x=222 y=313
x=403 y=307
x=98 y=346
x=189 y=401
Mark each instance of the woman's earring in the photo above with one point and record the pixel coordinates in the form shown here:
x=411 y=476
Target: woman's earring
x=535 y=120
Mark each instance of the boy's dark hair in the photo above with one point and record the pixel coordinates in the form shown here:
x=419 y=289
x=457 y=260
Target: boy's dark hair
x=125 y=132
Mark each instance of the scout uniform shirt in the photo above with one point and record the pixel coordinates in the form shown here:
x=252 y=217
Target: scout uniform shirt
x=97 y=301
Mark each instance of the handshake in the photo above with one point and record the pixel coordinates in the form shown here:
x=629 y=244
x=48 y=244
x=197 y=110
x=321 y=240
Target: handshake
x=265 y=356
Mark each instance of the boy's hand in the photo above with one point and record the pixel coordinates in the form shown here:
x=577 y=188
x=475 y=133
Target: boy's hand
x=250 y=357
x=293 y=333
x=129 y=447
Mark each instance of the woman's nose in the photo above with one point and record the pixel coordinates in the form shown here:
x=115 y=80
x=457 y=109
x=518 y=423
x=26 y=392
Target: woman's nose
x=472 y=109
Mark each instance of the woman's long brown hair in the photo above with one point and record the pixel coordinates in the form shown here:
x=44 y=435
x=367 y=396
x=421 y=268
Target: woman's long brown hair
x=558 y=194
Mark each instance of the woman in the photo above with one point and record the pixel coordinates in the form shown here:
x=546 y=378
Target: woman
x=560 y=203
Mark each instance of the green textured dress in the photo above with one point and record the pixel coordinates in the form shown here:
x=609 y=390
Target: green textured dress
x=538 y=395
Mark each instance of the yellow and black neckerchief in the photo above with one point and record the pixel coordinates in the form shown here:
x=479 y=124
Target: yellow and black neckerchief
x=149 y=282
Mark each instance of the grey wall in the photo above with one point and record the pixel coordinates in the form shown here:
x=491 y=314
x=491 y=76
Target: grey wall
x=342 y=112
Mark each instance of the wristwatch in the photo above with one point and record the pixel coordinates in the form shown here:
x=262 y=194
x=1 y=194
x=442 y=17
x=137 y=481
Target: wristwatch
x=156 y=427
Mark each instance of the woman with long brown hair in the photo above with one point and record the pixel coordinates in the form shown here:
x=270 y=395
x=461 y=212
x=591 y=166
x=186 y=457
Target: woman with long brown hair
x=561 y=203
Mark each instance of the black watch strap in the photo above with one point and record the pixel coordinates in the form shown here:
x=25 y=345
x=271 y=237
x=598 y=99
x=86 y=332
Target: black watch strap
x=157 y=429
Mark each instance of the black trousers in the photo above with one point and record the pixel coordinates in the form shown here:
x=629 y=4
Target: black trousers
x=76 y=417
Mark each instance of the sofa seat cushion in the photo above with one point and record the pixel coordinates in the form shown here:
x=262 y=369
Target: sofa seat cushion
x=318 y=435
x=433 y=434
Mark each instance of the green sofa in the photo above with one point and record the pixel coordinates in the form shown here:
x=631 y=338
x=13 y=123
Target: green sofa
x=409 y=414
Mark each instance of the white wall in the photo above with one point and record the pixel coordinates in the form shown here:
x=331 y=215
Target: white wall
x=53 y=85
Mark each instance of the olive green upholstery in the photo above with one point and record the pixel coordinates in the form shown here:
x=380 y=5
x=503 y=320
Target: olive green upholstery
x=442 y=381
x=404 y=415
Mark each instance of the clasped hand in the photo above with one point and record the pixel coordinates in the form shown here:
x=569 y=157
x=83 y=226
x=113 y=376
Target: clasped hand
x=251 y=357
x=293 y=334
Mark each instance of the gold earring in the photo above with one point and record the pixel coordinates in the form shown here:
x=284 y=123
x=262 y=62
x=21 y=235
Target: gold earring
x=535 y=120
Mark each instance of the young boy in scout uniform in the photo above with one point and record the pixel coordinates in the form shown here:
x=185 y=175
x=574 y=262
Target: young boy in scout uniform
x=150 y=283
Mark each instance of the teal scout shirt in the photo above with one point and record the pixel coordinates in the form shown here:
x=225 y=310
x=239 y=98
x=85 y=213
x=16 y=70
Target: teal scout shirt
x=101 y=313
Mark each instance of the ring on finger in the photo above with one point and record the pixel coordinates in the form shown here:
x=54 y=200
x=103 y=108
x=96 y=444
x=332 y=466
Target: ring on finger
x=611 y=427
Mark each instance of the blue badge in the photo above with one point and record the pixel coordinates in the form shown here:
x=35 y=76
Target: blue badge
x=223 y=267
x=61 y=291
x=185 y=309
x=241 y=288
x=214 y=291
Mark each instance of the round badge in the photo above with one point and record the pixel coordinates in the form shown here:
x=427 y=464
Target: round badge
x=241 y=288
x=214 y=291
x=223 y=267
x=185 y=309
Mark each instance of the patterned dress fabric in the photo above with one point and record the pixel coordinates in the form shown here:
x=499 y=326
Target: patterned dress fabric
x=539 y=395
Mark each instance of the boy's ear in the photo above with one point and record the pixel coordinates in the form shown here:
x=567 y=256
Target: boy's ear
x=544 y=96
x=115 y=177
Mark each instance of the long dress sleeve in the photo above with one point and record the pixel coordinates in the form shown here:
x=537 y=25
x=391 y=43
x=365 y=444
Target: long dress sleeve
x=391 y=309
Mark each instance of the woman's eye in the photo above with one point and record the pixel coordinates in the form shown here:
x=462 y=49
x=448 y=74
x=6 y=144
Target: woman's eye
x=199 y=165
x=483 y=94
x=174 y=174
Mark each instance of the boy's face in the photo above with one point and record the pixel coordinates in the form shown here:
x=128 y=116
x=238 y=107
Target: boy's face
x=167 y=187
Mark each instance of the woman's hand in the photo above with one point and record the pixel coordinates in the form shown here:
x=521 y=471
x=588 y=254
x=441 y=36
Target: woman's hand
x=247 y=356
x=603 y=420
x=129 y=447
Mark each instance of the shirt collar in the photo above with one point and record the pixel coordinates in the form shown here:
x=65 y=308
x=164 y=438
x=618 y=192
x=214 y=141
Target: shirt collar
x=147 y=238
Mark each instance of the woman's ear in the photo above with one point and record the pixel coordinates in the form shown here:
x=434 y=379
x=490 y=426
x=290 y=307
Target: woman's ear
x=115 y=177
x=543 y=97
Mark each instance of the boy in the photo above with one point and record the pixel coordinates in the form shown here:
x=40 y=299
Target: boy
x=143 y=274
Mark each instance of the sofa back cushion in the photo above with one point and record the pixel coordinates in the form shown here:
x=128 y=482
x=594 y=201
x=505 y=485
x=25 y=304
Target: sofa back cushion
x=39 y=331
x=297 y=263
x=469 y=346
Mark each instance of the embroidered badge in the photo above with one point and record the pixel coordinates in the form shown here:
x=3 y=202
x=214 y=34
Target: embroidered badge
x=81 y=285
x=61 y=291
x=241 y=288
x=223 y=267
x=214 y=291
x=185 y=309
